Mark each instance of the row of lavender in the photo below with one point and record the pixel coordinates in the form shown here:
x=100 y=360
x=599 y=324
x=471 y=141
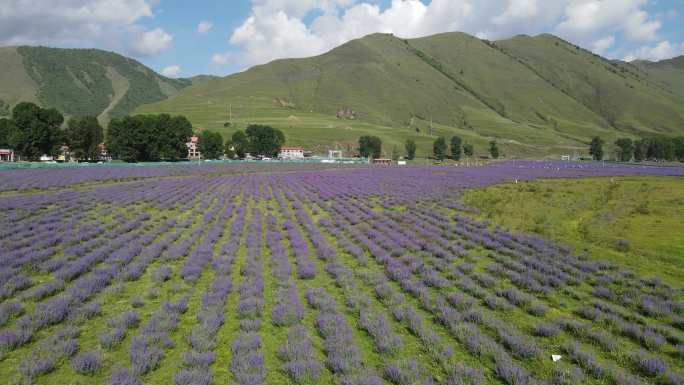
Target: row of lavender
x=451 y=282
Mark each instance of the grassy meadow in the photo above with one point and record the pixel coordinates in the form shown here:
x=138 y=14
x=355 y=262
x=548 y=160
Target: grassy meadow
x=637 y=222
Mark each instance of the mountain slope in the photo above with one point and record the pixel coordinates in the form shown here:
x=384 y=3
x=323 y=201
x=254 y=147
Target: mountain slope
x=669 y=73
x=625 y=98
x=80 y=81
x=537 y=95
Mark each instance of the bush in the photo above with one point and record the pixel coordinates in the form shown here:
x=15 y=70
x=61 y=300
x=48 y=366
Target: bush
x=86 y=363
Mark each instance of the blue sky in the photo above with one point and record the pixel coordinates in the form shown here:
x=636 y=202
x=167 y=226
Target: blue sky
x=236 y=34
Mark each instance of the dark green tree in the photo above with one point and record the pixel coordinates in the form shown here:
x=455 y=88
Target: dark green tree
x=679 y=148
x=6 y=130
x=468 y=149
x=84 y=134
x=439 y=148
x=210 y=144
x=660 y=148
x=625 y=149
x=240 y=143
x=264 y=140
x=410 y=147
x=370 y=146
x=596 y=148
x=456 y=148
x=639 y=150
x=37 y=131
x=143 y=138
x=493 y=149
x=171 y=135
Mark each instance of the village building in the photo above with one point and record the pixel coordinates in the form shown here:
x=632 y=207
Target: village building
x=193 y=147
x=383 y=161
x=334 y=154
x=6 y=155
x=291 y=153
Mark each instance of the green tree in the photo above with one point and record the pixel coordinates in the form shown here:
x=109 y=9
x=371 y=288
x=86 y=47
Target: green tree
x=210 y=144
x=679 y=148
x=84 y=134
x=264 y=140
x=660 y=148
x=456 y=148
x=439 y=148
x=468 y=149
x=639 y=150
x=149 y=137
x=170 y=135
x=410 y=147
x=596 y=148
x=6 y=130
x=370 y=146
x=395 y=153
x=37 y=131
x=240 y=143
x=228 y=149
x=625 y=149
x=493 y=149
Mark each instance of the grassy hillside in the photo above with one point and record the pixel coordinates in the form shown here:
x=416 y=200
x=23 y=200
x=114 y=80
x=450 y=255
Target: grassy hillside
x=669 y=73
x=627 y=99
x=536 y=95
x=80 y=81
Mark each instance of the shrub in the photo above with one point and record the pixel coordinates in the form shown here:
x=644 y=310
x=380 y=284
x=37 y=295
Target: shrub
x=86 y=363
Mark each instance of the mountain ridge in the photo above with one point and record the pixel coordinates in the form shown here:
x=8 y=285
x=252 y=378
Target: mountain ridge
x=537 y=94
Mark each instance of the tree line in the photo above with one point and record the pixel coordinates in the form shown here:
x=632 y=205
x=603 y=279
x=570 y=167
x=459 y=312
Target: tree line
x=371 y=147
x=33 y=131
x=657 y=148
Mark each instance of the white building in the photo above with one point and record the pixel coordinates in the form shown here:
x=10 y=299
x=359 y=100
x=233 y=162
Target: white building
x=193 y=147
x=6 y=155
x=291 y=153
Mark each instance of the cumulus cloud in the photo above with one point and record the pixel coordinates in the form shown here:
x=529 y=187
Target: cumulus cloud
x=110 y=24
x=602 y=45
x=220 y=59
x=146 y=43
x=204 y=26
x=660 y=51
x=171 y=71
x=586 y=17
x=298 y=28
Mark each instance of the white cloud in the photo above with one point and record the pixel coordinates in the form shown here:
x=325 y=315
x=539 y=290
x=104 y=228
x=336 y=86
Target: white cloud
x=299 y=28
x=108 y=24
x=584 y=18
x=602 y=45
x=146 y=43
x=204 y=26
x=220 y=59
x=662 y=50
x=171 y=71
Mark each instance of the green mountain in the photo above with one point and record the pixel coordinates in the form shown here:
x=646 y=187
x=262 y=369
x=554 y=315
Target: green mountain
x=80 y=81
x=535 y=95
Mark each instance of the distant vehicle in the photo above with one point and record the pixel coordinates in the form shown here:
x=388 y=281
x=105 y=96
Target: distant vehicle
x=265 y=158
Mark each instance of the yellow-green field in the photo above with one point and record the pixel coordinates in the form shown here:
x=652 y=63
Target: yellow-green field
x=598 y=215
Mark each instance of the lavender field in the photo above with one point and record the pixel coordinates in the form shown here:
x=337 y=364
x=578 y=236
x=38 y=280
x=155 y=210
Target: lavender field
x=303 y=275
